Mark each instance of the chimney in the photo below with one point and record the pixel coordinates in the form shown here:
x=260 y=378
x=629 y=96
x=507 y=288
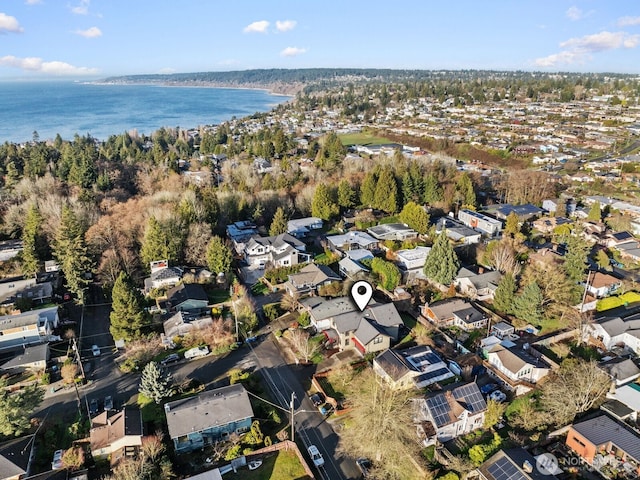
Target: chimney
x=480 y=270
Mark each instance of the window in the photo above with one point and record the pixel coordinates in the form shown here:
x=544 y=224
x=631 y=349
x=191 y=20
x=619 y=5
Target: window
x=378 y=339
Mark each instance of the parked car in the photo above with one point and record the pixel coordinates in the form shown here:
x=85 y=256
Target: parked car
x=488 y=388
x=196 y=352
x=108 y=402
x=498 y=396
x=364 y=464
x=317 y=399
x=171 y=358
x=93 y=407
x=56 y=463
x=316 y=456
x=95 y=349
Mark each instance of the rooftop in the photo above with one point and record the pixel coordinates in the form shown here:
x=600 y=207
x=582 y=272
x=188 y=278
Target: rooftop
x=603 y=429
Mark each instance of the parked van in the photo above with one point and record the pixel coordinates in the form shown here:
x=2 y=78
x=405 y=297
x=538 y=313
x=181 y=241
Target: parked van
x=196 y=352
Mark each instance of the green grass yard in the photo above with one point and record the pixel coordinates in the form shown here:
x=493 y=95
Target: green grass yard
x=362 y=138
x=282 y=466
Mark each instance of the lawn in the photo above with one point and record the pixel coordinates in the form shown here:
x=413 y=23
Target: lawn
x=282 y=466
x=259 y=288
x=362 y=138
x=613 y=302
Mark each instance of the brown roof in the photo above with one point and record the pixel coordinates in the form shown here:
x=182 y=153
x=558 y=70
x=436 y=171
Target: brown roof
x=603 y=280
x=112 y=425
x=512 y=362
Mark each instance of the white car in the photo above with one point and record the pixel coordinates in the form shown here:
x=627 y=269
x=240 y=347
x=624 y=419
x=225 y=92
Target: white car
x=316 y=456
x=497 y=396
x=95 y=349
x=56 y=463
x=196 y=352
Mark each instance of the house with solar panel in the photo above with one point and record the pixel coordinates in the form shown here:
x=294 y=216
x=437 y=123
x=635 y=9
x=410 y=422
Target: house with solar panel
x=515 y=464
x=416 y=367
x=445 y=415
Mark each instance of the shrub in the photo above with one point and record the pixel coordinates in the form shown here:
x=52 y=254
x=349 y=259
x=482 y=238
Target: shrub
x=304 y=320
x=233 y=453
x=236 y=376
x=387 y=272
x=272 y=311
x=280 y=274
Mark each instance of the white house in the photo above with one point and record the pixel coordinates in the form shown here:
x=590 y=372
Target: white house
x=352 y=240
x=279 y=251
x=477 y=286
x=517 y=364
x=28 y=328
x=488 y=226
x=602 y=285
x=610 y=332
x=301 y=227
x=413 y=258
x=446 y=415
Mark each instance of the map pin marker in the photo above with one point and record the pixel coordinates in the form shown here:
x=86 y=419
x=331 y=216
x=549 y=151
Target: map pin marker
x=361 y=292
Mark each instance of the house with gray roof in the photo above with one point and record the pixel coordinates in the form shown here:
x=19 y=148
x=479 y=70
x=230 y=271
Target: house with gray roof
x=621 y=370
x=457 y=231
x=33 y=358
x=187 y=297
x=16 y=457
x=416 y=367
x=598 y=439
x=353 y=240
x=181 y=324
x=517 y=367
x=208 y=417
x=454 y=311
x=310 y=279
x=477 y=286
x=445 y=415
x=28 y=328
x=276 y=251
x=392 y=231
x=609 y=332
x=301 y=227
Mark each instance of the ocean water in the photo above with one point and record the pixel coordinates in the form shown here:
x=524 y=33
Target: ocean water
x=68 y=108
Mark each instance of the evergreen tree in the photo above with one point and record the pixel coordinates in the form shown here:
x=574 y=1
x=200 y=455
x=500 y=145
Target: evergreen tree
x=505 y=294
x=595 y=212
x=155 y=383
x=162 y=242
x=464 y=189
x=219 y=256
x=72 y=253
x=442 y=263
x=323 y=205
x=127 y=316
x=413 y=184
x=415 y=217
x=279 y=223
x=33 y=242
x=368 y=189
x=346 y=194
x=16 y=408
x=575 y=260
x=527 y=304
x=432 y=190
x=386 y=194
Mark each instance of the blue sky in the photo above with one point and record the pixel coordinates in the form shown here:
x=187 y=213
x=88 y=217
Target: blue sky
x=98 y=38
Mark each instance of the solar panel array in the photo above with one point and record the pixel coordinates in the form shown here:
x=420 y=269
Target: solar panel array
x=431 y=375
x=439 y=409
x=470 y=397
x=503 y=469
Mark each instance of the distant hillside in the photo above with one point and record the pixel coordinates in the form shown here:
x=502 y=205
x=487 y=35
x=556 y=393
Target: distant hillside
x=291 y=81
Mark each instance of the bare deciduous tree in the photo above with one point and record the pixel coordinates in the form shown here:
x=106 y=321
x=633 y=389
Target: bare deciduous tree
x=68 y=372
x=301 y=342
x=152 y=446
x=504 y=257
x=289 y=301
x=382 y=425
x=578 y=386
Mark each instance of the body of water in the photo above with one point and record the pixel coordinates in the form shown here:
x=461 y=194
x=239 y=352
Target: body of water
x=68 y=108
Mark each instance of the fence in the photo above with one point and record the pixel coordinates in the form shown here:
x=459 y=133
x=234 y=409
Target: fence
x=285 y=445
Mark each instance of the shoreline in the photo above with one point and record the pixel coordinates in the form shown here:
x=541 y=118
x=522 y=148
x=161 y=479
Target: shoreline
x=280 y=91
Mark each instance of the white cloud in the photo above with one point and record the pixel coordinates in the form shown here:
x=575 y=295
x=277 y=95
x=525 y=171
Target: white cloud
x=628 y=21
x=574 y=13
x=32 y=2
x=292 y=51
x=82 y=8
x=9 y=24
x=35 y=64
x=285 y=25
x=166 y=70
x=579 y=49
x=257 y=27
x=92 y=32
x=602 y=41
x=229 y=62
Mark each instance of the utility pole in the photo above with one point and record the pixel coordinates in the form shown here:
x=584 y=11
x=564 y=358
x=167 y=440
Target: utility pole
x=292 y=406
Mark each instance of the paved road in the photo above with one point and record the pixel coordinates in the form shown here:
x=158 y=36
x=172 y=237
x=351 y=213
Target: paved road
x=311 y=427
